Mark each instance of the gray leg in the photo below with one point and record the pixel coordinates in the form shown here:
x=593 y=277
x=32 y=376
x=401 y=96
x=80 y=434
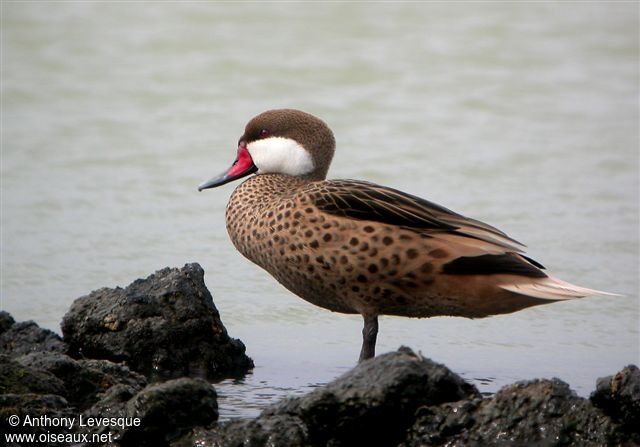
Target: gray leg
x=369 y=335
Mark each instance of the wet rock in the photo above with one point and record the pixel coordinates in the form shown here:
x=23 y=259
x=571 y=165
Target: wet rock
x=539 y=412
x=112 y=404
x=34 y=407
x=166 y=411
x=373 y=404
x=376 y=401
x=6 y=321
x=25 y=337
x=83 y=380
x=400 y=399
x=269 y=429
x=19 y=379
x=163 y=326
x=618 y=397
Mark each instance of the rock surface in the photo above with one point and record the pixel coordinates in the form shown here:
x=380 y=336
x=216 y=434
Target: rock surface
x=165 y=411
x=33 y=406
x=83 y=380
x=163 y=326
x=619 y=398
x=26 y=337
x=539 y=412
x=53 y=385
x=373 y=404
x=16 y=378
x=401 y=399
x=6 y=321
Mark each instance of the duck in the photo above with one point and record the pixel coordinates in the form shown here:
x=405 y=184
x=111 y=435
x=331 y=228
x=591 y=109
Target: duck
x=356 y=247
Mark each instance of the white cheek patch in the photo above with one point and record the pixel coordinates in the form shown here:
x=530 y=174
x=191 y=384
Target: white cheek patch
x=279 y=155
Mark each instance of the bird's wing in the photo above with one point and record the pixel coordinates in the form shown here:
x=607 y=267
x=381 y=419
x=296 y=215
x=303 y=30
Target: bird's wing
x=367 y=201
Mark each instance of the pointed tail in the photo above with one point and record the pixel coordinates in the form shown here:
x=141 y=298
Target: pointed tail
x=551 y=288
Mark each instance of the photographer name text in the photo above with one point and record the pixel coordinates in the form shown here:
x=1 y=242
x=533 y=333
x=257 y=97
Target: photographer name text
x=80 y=421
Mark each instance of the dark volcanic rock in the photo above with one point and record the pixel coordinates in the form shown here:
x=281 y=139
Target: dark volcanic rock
x=373 y=404
x=166 y=324
x=269 y=429
x=618 y=397
x=163 y=326
x=33 y=406
x=23 y=338
x=83 y=380
x=376 y=401
x=540 y=412
x=400 y=399
x=165 y=411
x=6 y=321
x=19 y=379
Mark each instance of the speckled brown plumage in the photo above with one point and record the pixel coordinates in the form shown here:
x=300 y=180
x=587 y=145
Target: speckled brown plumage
x=356 y=247
x=352 y=265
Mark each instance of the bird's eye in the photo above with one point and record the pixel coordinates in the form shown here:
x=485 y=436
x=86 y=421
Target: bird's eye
x=264 y=133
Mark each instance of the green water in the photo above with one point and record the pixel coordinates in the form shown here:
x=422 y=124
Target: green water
x=524 y=115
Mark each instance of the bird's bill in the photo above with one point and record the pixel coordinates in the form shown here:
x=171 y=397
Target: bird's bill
x=242 y=167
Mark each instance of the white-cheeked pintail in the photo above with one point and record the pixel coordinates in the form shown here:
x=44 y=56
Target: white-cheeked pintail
x=355 y=247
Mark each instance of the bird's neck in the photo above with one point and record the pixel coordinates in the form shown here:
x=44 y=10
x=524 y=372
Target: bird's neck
x=264 y=187
x=260 y=194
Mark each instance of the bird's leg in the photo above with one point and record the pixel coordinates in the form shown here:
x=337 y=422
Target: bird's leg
x=369 y=335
